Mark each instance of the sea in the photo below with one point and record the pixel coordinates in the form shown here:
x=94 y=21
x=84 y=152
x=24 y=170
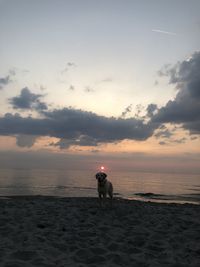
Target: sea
x=144 y=186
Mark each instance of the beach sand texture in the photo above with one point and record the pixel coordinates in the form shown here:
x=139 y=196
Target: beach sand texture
x=48 y=231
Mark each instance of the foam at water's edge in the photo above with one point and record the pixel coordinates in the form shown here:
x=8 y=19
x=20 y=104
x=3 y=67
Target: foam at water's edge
x=181 y=199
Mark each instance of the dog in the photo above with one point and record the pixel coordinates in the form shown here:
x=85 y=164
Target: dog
x=104 y=187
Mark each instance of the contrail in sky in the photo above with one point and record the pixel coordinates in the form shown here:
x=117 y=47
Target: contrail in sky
x=165 y=32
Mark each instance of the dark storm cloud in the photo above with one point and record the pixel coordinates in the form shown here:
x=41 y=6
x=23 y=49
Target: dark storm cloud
x=102 y=129
x=27 y=100
x=151 y=109
x=82 y=140
x=76 y=127
x=185 y=108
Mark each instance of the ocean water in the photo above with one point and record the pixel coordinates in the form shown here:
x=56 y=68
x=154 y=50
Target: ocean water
x=162 y=187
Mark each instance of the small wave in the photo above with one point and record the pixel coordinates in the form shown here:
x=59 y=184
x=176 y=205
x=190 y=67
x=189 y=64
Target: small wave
x=194 y=195
x=155 y=196
x=62 y=187
x=187 y=198
x=194 y=189
x=149 y=195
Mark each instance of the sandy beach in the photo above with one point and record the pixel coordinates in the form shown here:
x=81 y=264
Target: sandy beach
x=48 y=231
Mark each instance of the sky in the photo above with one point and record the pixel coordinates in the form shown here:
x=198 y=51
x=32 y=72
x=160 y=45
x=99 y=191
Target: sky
x=110 y=82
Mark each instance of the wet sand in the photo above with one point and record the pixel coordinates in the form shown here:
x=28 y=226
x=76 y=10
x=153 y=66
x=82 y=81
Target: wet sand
x=48 y=231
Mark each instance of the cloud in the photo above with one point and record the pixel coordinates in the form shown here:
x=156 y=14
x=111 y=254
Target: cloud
x=164 y=32
x=42 y=88
x=139 y=109
x=156 y=83
x=12 y=72
x=89 y=89
x=26 y=140
x=107 y=79
x=180 y=141
x=7 y=79
x=71 y=64
x=71 y=87
x=151 y=110
x=82 y=140
x=185 y=108
x=194 y=138
x=76 y=127
x=27 y=100
x=127 y=110
x=4 y=81
x=162 y=143
x=163 y=133
x=68 y=66
x=166 y=70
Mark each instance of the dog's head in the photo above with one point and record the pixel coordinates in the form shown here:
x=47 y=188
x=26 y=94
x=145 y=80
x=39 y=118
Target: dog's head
x=101 y=177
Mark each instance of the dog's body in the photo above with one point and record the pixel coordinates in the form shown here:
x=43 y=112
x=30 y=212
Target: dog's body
x=104 y=186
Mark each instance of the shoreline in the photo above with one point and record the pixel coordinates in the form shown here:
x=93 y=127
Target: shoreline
x=72 y=231
x=141 y=197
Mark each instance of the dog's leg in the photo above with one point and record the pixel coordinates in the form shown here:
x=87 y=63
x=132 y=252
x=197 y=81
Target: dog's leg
x=110 y=193
x=104 y=200
x=100 y=200
x=111 y=200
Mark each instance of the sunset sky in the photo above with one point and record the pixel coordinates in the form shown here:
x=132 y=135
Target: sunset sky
x=114 y=82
